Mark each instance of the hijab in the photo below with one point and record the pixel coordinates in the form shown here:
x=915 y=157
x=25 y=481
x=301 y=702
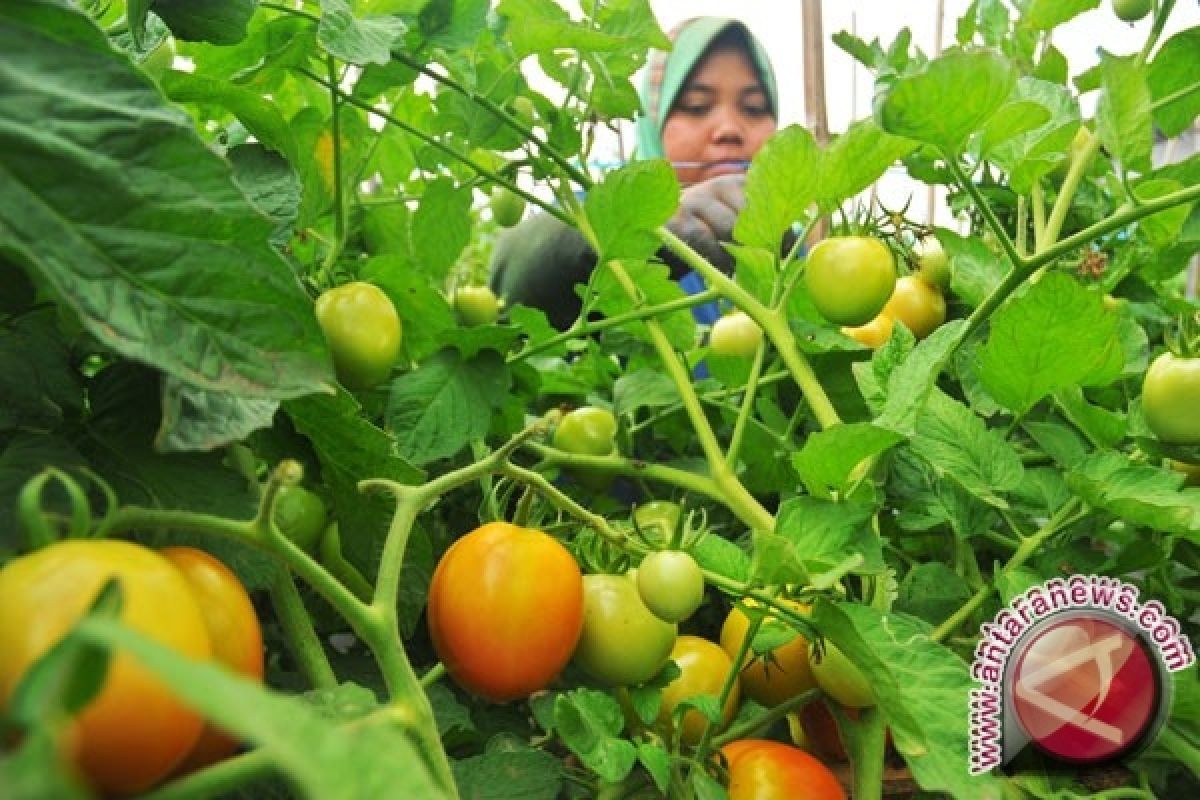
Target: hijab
x=666 y=73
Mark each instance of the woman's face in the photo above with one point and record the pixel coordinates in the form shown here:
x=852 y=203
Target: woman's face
x=721 y=116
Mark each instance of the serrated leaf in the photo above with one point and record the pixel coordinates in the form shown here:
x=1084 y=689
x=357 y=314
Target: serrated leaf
x=654 y=287
x=1162 y=229
x=1123 y=113
x=657 y=762
x=1056 y=335
x=629 y=205
x=1174 y=69
x=1052 y=117
x=1044 y=15
x=216 y=21
x=1140 y=494
x=909 y=384
x=643 y=388
x=542 y=26
x=947 y=99
x=932 y=592
x=509 y=775
x=590 y=723
x=196 y=419
x=441 y=228
x=357 y=40
x=856 y=159
x=780 y=186
x=814 y=536
x=829 y=457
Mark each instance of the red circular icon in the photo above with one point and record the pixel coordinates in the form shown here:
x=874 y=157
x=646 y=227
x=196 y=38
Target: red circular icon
x=1084 y=689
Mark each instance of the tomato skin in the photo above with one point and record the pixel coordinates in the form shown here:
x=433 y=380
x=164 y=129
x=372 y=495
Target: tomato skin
x=363 y=331
x=507 y=206
x=918 y=305
x=773 y=678
x=762 y=769
x=233 y=629
x=850 y=278
x=134 y=731
x=1132 y=10
x=588 y=430
x=704 y=666
x=622 y=643
x=933 y=266
x=476 y=305
x=736 y=335
x=1171 y=397
x=671 y=584
x=505 y=610
x=839 y=678
x=300 y=516
x=874 y=334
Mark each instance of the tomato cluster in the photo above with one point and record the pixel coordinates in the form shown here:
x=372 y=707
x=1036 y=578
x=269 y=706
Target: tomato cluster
x=180 y=597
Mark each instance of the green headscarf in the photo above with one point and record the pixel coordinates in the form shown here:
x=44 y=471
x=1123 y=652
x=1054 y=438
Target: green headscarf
x=667 y=71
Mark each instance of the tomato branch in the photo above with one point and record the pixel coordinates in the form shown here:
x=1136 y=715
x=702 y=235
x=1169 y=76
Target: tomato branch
x=298 y=630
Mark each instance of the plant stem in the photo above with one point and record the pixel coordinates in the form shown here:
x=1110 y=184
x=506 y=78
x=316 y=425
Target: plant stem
x=760 y=723
x=302 y=639
x=339 y=197
x=981 y=203
x=747 y=408
x=435 y=674
x=215 y=781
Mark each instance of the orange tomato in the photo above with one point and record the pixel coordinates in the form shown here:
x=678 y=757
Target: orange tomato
x=773 y=677
x=761 y=769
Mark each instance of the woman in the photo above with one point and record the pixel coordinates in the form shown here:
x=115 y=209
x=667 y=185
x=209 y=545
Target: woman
x=709 y=105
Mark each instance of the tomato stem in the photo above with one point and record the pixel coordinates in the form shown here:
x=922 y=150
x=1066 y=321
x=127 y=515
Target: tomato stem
x=218 y=779
x=298 y=630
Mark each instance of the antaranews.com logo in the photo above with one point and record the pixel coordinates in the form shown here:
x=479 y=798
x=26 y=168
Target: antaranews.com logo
x=1077 y=668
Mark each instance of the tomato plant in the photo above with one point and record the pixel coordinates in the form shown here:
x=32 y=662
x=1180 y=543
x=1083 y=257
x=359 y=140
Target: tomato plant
x=761 y=769
x=735 y=334
x=233 y=629
x=44 y=593
x=671 y=584
x=363 y=330
x=588 y=431
x=839 y=678
x=476 y=305
x=919 y=305
x=850 y=278
x=703 y=670
x=300 y=515
x=505 y=610
x=775 y=676
x=1170 y=397
x=622 y=642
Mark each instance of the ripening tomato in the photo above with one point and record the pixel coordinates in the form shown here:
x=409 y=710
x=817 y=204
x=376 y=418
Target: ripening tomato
x=735 y=334
x=233 y=629
x=762 y=769
x=839 y=678
x=505 y=610
x=773 y=677
x=622 y=643
x=874 y=334
x=671 y=584
x=918 y=305
x=850 y=278
x=704 y=667
x=363 y=330
x=1171 y=398
x=135 y=731
x=476 y=305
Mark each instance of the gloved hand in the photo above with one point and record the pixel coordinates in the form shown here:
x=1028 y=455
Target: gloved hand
x=706 y=215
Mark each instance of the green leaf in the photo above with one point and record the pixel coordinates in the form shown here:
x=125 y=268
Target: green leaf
x=318 y=757
x=1175 y=68
x=215 y=21
x=654 y=287
x=946 y=100
x=441 y=228
x=1056 y=335
x=509 y=775
x=357 y=40
x=33 y=769
x=829 y=457
x=1044 y=15
x=435 y=410
x=1106 y=428
x=922 y=690
x=909 y=384
x=1162 y=229
x=976 y=270
x=814 y=536
x=1123 y=113
x=173 y=269
x=629 y=205
x=719 y=555
x=657 y=761
x=38 y=381
x=542 y=26
x=780 y=186
x=961 y=448
x=1139 y=494
x=453 y=24
x=932 y=592
x=590 y=724
x=258 y=113
x=427 y=317
x=1049 y=114
x=856 y=159
x=197 y=419
x=271 y=184
x=643 y=388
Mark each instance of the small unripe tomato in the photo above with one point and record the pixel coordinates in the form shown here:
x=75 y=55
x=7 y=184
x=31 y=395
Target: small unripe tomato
x=735 y=334
x=300 y=516
x=849 y=278
x=476 y=305
x=1171 y=398
x=363 y=330
x=933 y=266
x=587 y=430
x=1132 y=10
x=507 y=206
x=671 y=584
x=622 y=643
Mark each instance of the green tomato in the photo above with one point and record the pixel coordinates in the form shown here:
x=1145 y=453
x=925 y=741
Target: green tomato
x=1171 y=399
x=522 y=108
x=735 y=334
x=507 y=206
x=933 y=266
x=850 y=278
x=839 y=678
x=671 y=584
x=363 y=330
x=476 y=305
x=587 y=430
x=1132 y=10
x=657 y=520
x=622 y=643
x=300 y=516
